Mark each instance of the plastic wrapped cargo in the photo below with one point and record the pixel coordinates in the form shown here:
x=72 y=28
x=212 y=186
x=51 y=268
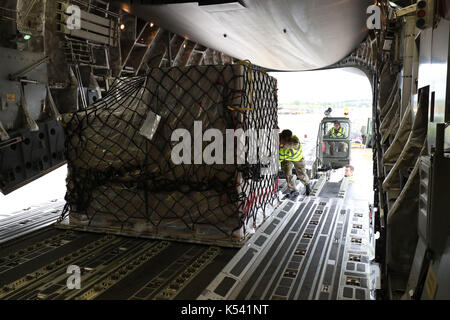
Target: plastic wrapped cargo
x=122 y=177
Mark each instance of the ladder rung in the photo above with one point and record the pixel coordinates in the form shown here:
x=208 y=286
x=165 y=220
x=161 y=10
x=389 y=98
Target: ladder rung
x=100 y=67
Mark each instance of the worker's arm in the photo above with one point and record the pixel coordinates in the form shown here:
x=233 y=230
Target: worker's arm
x=329 y=133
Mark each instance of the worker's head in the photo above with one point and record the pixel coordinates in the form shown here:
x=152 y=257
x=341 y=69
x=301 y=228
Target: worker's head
x=285 y=135
x=337 y=125
x=349 y=171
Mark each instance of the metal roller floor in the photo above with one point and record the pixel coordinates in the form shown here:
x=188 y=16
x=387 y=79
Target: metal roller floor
x=35 y=266
x=319 y=247
x=316 y=247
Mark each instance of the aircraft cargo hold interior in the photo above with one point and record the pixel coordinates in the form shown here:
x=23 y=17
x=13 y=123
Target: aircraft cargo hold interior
x=248 y=150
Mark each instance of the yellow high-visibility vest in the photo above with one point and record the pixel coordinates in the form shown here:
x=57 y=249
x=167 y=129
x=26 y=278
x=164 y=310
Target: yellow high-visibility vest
x=338 y=134
x=291 y=154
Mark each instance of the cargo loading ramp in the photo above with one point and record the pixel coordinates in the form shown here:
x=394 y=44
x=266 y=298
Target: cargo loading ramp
x=318 y=247
x=31 y=219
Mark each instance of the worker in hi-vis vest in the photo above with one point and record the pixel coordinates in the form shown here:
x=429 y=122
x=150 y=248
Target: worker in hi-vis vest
x=337 y=132
x=291 y=155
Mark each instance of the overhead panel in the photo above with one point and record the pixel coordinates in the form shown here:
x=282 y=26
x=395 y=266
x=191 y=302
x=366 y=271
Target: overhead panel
x=289 y=35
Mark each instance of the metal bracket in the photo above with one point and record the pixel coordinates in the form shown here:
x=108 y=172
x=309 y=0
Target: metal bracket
x=31 y=124
x=3 y=134
x=55 y=111
x=407 y=10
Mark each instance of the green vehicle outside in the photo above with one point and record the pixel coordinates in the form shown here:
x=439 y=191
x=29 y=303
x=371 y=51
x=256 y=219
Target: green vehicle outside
x=333 y=144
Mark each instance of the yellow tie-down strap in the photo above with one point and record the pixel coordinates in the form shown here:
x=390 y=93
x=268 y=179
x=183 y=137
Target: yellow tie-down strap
x=248 y=64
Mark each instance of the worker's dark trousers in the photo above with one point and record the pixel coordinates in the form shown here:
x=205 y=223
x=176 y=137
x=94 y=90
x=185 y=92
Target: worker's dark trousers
x=300 y=167
x=338 y=147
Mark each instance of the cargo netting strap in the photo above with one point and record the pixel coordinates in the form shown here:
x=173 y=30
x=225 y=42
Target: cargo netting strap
x=120 y=169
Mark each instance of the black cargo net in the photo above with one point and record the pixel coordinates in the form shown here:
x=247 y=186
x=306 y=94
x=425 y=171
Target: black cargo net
x=120 y=171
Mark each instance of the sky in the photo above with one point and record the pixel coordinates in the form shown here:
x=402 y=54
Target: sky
x=333 y=85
